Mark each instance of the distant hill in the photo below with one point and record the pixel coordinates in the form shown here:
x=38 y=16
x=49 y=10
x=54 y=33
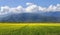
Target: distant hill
x=32 y=17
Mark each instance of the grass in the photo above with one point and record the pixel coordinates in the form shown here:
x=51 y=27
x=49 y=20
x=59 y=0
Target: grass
x=30 y=29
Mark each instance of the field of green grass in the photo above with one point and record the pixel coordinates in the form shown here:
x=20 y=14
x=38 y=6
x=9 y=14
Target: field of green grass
x=29 y=29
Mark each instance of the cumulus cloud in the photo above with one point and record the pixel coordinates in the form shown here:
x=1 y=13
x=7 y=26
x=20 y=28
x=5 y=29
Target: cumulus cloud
x=54 y=8
x=28 y=4
x=4 y=8
x=51 y=8
x=31 y=8
x=43 y=9
x=7 y=10
x=18 y=9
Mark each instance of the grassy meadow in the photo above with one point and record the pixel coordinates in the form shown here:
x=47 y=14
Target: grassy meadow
x=29 y=29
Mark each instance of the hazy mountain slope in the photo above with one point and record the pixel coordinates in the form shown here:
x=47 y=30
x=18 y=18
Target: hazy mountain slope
x=32 y=17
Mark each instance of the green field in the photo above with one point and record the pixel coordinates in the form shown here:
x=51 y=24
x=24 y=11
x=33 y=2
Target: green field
x=29 y=29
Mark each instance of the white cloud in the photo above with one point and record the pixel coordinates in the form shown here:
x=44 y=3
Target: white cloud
x=58 y=7
x=7 y=10
x=4 y=9
x=28 y=4
x=51 y=8
x=31 y=8
x=43 y=9
x=18 y=9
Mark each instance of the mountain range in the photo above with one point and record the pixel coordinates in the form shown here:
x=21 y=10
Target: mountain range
x=32 y=17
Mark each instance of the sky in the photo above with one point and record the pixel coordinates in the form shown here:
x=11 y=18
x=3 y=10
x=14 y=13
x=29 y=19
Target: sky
x=28 y=6
x=14 y=3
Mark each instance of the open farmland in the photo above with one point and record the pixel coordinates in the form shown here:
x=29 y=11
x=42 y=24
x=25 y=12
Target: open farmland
x=29 y=29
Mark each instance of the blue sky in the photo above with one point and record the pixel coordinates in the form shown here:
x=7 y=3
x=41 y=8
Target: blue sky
x=14 y=3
